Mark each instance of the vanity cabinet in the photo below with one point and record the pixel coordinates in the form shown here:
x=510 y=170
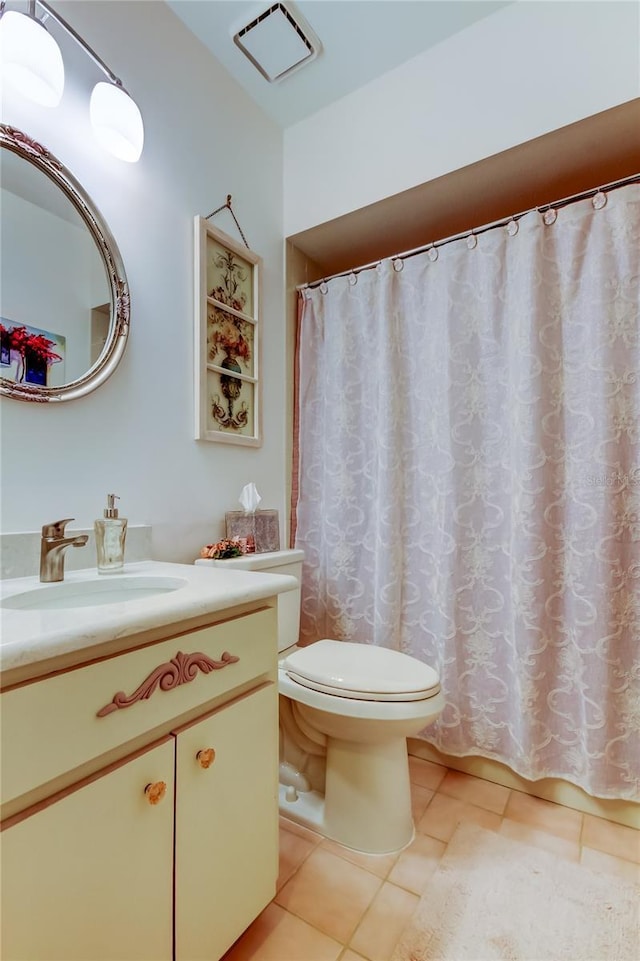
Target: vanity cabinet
x=167 y=848
x=88 y=878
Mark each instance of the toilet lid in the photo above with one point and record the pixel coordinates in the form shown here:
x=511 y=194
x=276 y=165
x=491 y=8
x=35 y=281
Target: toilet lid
x=362 y=672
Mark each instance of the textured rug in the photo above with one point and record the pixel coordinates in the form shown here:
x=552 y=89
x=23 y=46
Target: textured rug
x=494 y=899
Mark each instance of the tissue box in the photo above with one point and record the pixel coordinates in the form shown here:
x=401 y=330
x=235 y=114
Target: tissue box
x=260 y=530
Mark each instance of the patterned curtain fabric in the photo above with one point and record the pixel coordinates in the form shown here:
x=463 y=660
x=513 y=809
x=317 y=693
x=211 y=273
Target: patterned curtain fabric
x=470 y=483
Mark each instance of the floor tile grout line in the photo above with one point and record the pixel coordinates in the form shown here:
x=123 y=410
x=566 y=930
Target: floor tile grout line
x=299 y=864
x=618 y=857
x=365 y=913
x=310 y=924
x=320 y=930
x=474 y=803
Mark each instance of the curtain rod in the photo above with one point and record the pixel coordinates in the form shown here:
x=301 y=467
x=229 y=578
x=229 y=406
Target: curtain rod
x=555 y=205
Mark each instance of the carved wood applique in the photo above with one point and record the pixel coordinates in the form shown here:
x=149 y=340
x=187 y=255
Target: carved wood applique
x=181 y=669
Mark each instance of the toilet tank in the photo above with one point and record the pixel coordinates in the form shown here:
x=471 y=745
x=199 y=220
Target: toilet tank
x=273 y=562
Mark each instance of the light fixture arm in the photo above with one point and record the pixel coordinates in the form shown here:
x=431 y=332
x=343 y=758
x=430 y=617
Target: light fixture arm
x=76 y=36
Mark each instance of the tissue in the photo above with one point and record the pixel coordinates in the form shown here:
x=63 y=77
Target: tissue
x=249 y=498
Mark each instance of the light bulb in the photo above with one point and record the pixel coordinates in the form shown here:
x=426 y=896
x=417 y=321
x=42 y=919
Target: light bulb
x=30 y=58
x=116 y=121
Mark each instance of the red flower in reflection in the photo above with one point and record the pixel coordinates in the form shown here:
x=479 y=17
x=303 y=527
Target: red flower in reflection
x=28 y=346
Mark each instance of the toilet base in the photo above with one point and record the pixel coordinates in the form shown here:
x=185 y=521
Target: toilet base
x=307 y=809
x=367 y=802
x=368 y=795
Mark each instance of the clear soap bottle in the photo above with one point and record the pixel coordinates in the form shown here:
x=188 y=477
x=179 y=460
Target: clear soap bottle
x=111 y=531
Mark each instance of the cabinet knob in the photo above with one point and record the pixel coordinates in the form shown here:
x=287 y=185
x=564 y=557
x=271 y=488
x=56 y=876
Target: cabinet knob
x=206 y=757
x=155 y=792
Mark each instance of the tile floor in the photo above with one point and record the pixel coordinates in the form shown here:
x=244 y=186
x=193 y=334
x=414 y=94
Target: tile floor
x=333 y=904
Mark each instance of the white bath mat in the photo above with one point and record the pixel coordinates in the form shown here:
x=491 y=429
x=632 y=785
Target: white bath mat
x=495 y=899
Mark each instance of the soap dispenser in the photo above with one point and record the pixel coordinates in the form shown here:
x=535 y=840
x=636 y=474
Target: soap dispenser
x=111 y=531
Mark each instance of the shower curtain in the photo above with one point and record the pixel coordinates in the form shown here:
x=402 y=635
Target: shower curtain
x=469 y=482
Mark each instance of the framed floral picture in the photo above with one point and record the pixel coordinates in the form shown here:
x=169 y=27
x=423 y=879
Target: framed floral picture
x=227 y=339
x=30 y=355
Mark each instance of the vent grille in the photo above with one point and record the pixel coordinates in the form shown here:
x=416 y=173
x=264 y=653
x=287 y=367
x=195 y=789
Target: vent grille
x=278 y=42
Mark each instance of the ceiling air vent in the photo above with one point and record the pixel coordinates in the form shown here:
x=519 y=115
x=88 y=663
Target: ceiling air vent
x=278 y=42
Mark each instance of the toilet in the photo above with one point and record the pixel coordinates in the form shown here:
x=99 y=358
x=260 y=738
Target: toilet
x=346 y=711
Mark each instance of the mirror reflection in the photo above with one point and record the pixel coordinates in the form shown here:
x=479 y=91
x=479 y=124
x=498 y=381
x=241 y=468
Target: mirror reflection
x=54 y=300
x=64 y=305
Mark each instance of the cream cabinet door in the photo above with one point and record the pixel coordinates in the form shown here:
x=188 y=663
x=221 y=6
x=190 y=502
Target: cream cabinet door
x=89 y=878
x=226 y=824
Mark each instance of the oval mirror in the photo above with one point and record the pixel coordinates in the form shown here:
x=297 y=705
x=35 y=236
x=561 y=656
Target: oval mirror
x=64 y=298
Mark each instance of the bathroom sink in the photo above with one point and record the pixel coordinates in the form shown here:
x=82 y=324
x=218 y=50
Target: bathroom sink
x=92 y=593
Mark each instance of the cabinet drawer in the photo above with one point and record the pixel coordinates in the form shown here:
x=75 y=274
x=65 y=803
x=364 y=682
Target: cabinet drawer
x=55 y=726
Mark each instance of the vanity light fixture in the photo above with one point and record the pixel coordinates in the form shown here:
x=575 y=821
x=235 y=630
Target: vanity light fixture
x=30 y=60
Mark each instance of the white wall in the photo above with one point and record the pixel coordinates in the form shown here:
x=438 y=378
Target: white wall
x=528 y=69
x=36 y=243
x=133 y=436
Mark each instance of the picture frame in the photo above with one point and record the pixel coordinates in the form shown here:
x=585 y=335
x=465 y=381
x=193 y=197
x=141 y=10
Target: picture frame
x=227 y=339
x=31 y=356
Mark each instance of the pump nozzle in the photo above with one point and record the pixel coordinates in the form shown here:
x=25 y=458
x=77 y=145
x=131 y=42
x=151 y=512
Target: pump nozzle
x=111 y=510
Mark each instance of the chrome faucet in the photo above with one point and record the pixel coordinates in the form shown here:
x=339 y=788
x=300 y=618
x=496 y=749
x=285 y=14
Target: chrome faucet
x=52 y=548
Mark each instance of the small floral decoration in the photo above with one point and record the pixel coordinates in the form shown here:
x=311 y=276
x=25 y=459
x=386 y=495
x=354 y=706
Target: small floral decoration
x=222 y=550
x=229 y=335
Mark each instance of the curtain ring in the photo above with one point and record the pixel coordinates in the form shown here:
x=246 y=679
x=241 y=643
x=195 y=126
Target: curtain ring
x=472 y=241
x=512 y=227
x=307 y=294
x=352 y=278
x=398 y=264
x=432 y=254
x=599 y=200
x=324 y=287
x=550 y=216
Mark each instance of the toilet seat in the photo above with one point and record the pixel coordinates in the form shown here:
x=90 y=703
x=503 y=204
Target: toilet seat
x=361 y=672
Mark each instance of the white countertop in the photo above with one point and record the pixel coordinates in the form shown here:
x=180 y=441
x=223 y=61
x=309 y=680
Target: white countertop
x=30 y=636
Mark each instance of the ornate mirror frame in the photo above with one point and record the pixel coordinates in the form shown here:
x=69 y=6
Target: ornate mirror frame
x=37 y=155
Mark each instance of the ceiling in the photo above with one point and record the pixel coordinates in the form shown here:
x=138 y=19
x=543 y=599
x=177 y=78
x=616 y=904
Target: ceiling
x=361 y=40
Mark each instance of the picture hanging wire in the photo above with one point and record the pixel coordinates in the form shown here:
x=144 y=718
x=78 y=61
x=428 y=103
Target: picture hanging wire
x=227 y=206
